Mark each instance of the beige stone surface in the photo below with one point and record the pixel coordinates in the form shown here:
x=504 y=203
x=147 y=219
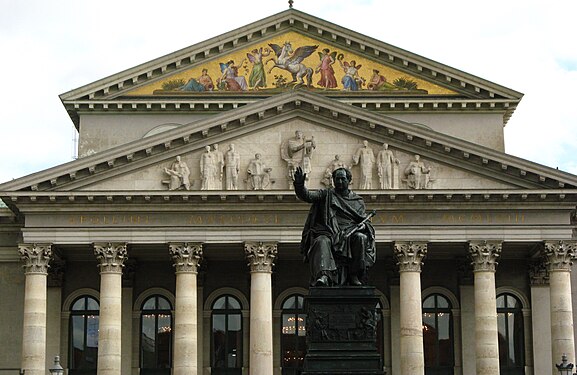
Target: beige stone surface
x=561 y=316
x=185 y=360
x=268 y=142
x=486 y=336
x=411 y=329
x=34 y=325
x=110 y=328
x=468 y=328
x=541 y=322
x=261 y=343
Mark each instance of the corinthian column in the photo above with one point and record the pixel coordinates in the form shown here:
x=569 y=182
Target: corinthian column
x=560 y=255
x=186 y=257
x=111 y=257
x=410 y=259
x=260 y=258
x=484 y=255
x=35 y=258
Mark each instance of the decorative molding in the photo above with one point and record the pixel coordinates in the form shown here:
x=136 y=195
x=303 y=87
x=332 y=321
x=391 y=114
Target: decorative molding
x=111 y=256
x=560 y=255
x=538 y=272
x=484 y=254
x=36 y=257
x=186 y=256
x=260 y=255
x=410 y=255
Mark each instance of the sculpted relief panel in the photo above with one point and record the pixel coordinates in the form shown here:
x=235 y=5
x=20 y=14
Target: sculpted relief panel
x=267 y=161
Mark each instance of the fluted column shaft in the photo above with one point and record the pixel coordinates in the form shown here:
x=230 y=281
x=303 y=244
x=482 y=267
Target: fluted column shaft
x=410 y=256
x=484 y=255
x=260 y=258
x=186 y=257
x=111 y=257
x=559 y=259
x=36 y=258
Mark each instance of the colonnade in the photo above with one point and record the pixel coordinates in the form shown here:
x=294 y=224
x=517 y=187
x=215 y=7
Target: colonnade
x=186 y=257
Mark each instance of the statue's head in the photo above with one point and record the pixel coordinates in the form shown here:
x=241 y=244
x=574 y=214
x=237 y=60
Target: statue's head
x=341 y=179
x=299 y=134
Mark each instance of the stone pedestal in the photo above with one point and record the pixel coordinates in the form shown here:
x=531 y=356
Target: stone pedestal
x=341 y=332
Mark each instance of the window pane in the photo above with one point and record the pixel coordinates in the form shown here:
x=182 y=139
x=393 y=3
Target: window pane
x=92 y=304
x=442 y=302
x=502 y=331
x=429 y=302
x=218 y=340
x=300 y=302
x=233 y=304
x=302 y=324
x=290 y=303
x=79 y=305
x=149 y=304
x=500 y=301
x=164 y=339
x=77 y=341
x=92 y=322
x=148 y=341
x=289 y=324
x=444 y=337
x=234 y=355
x=163 y=304
x=219 y=304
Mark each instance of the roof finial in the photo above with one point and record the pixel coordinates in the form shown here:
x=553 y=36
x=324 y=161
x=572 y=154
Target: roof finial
x=291 y=4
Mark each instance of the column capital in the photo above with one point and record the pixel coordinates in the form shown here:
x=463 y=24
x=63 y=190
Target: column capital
x=559 y=255
x=36 y=257
x=484 y=254
x=538 y=273
x=260 y=255
x=410 y=255
x=111 y=256
x=186 y=256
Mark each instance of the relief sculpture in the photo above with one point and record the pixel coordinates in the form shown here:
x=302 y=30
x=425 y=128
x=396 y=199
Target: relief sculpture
x=258 y=174
x=232 y=166
x=297 y=152
x=387 y=168
x=366 y=158
x=208 y=170
x=418 y=175
x=179 y=175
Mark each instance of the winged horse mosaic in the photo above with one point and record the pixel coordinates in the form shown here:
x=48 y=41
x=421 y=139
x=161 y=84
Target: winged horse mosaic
x=292 y=61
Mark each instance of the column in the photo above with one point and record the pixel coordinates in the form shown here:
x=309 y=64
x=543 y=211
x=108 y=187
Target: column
x=35 y=258
x=186 y=257
x=410 y=259
x=111 y=257
x=260 y=258
x=484 y=256
x=560 y=255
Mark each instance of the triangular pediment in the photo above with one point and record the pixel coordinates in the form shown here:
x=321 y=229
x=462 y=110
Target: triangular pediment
x=264 y=127
x=384 y=71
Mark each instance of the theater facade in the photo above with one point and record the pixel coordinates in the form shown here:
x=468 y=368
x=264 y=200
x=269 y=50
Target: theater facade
x=172 y=244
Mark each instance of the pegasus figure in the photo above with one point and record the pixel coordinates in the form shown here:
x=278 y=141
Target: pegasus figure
x=292 y=61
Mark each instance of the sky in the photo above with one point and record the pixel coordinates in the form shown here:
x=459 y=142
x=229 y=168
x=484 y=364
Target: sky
x=51 y=47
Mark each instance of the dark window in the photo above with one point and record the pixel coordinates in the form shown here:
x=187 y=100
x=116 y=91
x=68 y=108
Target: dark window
x=293 y=335
x=83 y=343
x=511 y=340
x=226 y=340
x=438 y=335
x=156 y=336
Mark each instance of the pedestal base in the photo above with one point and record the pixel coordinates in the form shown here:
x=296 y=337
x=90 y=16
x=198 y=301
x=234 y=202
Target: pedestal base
x=342 y=332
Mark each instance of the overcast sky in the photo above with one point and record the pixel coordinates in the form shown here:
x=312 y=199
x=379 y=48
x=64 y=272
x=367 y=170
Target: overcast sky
x=51 y=47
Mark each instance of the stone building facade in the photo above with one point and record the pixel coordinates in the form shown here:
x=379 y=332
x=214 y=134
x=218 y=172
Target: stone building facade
x=172 y=245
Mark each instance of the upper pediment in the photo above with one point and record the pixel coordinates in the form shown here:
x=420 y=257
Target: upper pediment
x=266 y=128
x=380 y=71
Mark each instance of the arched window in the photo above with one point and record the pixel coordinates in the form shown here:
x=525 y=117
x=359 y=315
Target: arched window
x=293 y=335
x=438 y=335
x=156 y=336
x=226 y=343
x=511 y=340
x=83 y=336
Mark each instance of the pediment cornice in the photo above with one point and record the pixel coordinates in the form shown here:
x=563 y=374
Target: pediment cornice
x=275 y=110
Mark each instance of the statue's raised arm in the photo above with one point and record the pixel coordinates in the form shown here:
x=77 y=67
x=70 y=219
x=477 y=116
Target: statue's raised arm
x=338 y=240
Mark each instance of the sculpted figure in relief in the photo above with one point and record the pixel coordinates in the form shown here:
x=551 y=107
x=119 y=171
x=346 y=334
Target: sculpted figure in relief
x=179 y=175
x=366 y=158
x=386 y=163
x=232 y=166
x=219 y=165
x=208 y=170
x=418 y=174
x=258 y=174
x=335 y=164
x=298 y=152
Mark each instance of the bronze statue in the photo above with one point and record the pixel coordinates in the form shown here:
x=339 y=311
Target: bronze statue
x=338 y=239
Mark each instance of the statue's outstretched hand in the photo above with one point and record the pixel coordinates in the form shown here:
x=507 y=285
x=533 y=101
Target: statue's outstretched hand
x=299 y=176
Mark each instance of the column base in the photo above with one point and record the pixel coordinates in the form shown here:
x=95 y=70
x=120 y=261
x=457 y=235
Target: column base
x=342 y=332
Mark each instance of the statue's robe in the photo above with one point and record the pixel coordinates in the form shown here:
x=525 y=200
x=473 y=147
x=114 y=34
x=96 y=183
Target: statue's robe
x=325 y=242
